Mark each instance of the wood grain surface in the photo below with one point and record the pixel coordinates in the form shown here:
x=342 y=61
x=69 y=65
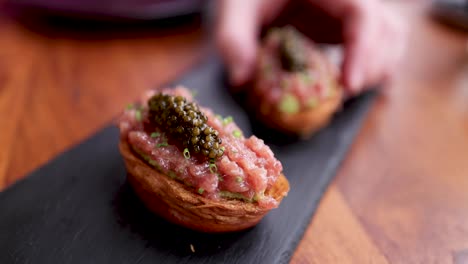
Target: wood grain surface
x=401 y=196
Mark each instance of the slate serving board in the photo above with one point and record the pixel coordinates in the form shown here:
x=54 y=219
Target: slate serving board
x=79 y=209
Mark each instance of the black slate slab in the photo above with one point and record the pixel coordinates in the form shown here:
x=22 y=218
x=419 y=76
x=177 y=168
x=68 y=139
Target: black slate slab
x=79 y=208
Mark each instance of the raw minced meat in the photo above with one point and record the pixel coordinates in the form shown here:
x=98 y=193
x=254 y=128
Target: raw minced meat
x=298 y=89
x=245 y=170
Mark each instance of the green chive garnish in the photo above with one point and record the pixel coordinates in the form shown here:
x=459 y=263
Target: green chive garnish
x=227 y=120
x=138 y=115
x=258 y=196
x=306 y=78
x=232 y=195
x=164 y=144
x=186 y=153
x=289 y=104
x=130 y=106
x=172 y=174
x=213 y=168
x=237 y=133
x=152 y=162
x=158 y=167
x=239 y=179
x=201 y=190
x=155 y=134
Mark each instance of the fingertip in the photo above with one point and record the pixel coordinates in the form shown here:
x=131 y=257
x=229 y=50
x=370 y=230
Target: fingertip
x=352 y=75
x=236 y=38
x=239 y=75
x=355 y=81
x=239 y=57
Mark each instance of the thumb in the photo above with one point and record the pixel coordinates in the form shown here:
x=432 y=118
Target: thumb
x=356 y=52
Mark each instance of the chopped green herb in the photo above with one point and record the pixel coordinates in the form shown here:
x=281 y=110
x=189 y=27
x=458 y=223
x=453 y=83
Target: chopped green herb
x=312 y=102
x=143 y=155
x=201 y=190
x=138 y=116
x=237 y=133
x=220 y=117
x=155 y=134
x=227 y=120
x=172 y=174
x=164 y=144
x=239 y=179
x=306 y=77
x=130 y=106
x=158 y=167
x=147 y=158
x=259 y=196
x=289 y=104
x=231 y=195
x=186 y=153
x=222 y=149
x=213 y=168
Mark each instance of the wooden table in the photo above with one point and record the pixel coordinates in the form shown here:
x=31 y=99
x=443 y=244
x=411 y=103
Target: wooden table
x=400 y=197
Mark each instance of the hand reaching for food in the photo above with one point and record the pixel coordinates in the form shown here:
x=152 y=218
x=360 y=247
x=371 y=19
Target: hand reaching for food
x=373 y=36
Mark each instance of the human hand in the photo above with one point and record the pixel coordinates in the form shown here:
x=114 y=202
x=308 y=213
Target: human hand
x=373 y=37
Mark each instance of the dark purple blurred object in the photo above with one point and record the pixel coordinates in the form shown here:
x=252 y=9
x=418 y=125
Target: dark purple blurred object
x=112 y=9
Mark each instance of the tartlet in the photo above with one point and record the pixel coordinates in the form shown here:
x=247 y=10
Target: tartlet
x=296 y=87
x=196 y=169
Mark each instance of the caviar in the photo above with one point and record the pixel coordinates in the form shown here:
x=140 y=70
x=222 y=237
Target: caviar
x=184 y=122
x=292 y=50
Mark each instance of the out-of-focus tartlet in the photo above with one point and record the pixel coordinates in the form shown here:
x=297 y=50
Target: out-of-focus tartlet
x=296 y=87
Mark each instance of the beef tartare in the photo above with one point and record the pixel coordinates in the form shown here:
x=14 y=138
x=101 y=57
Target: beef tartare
x=296 y=85
x=196 y=168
